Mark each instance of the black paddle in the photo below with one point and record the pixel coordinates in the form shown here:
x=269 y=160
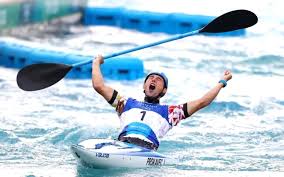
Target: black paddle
x=40 y=76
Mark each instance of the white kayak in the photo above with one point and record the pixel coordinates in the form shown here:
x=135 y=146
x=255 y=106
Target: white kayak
x=106 y=153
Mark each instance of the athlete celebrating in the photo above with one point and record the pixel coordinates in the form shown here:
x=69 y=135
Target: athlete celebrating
x=144 y=122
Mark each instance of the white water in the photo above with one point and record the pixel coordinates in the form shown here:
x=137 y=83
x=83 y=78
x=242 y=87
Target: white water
x=240 y=134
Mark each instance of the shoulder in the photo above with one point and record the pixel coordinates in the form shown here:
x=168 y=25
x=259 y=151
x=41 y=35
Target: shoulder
x=177 y=113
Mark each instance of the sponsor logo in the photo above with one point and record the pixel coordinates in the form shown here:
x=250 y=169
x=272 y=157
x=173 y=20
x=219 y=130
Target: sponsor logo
x=102 y=155
x=155 y=162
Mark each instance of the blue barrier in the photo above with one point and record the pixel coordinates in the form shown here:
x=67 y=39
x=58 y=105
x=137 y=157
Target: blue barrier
x=183 y=23
x=3 y=46
x=119 y=68
x=17 y=55
x=156 y=22
x=131 y=19
x=102 y=16
x=84 y=71
x=12 y=55
x=43 y=56
x=171 y=23
x=143 y=21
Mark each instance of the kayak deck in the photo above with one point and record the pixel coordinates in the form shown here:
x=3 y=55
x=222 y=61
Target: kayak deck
x=106 y=153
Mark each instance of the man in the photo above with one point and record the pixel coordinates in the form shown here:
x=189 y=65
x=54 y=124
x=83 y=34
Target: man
x=143 y=123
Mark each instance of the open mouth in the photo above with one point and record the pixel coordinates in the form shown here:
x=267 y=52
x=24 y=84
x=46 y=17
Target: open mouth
x=152 y=87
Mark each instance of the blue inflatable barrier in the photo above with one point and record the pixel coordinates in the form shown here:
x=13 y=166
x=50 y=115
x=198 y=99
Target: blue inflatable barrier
x=144 y=21
x=12 y=55
x=84 y=71
x=183 y=23
x=42 y=56
x=17 y=55
x=156 y=22
x=102 y=16
x=2 y=49
x=123 y=68
x=132 y=20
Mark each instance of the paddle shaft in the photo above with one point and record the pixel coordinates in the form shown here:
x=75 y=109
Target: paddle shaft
x=142 y=47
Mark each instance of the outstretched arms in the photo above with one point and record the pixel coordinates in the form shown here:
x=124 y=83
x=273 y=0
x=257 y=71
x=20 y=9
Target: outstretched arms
x=98 y=81
x=204 y=101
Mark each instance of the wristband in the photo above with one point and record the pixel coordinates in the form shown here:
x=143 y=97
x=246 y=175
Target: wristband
x=224 y=82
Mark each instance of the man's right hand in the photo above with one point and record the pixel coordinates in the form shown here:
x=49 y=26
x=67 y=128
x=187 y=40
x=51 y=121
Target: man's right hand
x=99 y=59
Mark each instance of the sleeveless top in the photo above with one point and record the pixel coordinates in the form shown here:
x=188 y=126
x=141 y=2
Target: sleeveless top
x=147 y=121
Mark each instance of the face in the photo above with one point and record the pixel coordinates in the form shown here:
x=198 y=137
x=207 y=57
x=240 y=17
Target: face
x=154 y=85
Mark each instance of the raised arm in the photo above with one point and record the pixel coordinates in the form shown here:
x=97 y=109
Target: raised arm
x=98 y=81
x=204 y=101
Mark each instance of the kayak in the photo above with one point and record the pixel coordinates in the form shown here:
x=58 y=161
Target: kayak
x=107 y=153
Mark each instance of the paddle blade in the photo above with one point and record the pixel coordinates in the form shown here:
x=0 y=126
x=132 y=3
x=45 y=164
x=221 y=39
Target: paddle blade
x=231 y=21
x=39 y=76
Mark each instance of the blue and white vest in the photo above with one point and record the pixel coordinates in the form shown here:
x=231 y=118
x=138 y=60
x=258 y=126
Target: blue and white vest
x=146 y=121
